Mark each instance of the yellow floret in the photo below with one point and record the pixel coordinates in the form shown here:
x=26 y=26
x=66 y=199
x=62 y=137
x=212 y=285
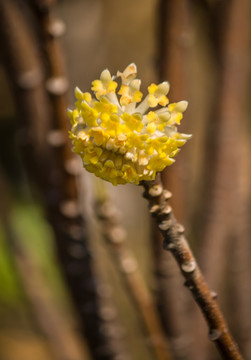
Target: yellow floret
x=133 y=122
x=105 y=106
x=89 y=115
x=105 y=85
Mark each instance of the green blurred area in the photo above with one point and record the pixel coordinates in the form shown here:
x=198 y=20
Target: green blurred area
x=36 y=239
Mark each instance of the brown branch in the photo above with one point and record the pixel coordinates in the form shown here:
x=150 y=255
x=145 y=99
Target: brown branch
x=115 y=237
x=102 y=344
x=58 y=332
x=176 y=243
x=174 y=35
x=170 y=299
x=47 y=155
x=222 y=160
x=174 y=42
x=240 y=253
x=222 y=168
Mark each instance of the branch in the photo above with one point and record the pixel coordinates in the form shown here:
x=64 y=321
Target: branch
x=240 y=253
x=220 y=199
x=115 y=237
x=104 y=344
x=173 y=54
x=176 y=243
x=173 y=49
x=49 y=161
x=54 y=326
x=170 y=299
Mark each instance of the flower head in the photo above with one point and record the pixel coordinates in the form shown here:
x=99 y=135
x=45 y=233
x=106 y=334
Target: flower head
x=122 y=139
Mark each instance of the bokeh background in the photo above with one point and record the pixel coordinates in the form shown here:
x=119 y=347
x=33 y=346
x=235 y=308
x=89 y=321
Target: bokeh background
x=66 y=293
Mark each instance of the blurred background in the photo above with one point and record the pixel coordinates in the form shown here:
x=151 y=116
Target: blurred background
x=82 y=270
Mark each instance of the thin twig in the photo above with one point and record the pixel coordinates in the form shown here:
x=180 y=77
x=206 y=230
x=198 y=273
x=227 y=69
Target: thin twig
x=176 y=243
x=220 y=171
x=54 y=326
x=220 y=165
x=49 y=161
x=105 y=341
x=103 y=344
x=115 y=237
x=240 y=253
x=173 y=49
x=225 y=141
x=170 y=299
x=174 y=42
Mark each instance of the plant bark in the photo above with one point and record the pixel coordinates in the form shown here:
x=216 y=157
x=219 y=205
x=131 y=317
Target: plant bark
x=176 y=243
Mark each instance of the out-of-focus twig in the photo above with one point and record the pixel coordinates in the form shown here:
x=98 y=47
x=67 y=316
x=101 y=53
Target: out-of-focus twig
x=57 y=85
x=49 y=159
x=174 y=40
x=223 y=153
x=171 y=303
x=240 y=253
x=232 y=85
x=173 y=47
x=175 y=242
x=56 y=329
x=115 y=236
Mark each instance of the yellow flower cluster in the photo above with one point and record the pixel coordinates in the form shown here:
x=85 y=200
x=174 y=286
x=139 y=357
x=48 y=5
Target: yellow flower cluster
x=119 y=139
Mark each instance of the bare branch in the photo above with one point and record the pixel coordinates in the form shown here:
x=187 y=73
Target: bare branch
x=115 y=237
x=176 y=243
x=48 y=157
x=60 y=335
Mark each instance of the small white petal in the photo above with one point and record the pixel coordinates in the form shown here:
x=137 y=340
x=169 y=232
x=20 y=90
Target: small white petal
x=129 y=155
x=135 y=84
x=143 y=106
x=143 y=161
x=130 y=108
x=105 y=76
x=185 y=136
x=78 y=93
x=110 y=144
x=164 y=87
x=181 y=106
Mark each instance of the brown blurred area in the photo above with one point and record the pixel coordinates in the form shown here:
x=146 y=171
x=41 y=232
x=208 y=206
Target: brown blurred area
x=60 y=299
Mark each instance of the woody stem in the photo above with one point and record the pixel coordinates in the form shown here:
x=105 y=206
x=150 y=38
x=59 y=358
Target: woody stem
x=176 y=243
